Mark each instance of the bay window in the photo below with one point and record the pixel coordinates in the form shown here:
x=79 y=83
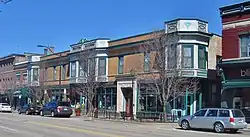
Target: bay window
x=73 y=69
x=202 y=57
x=187 y=56
x=102 y=66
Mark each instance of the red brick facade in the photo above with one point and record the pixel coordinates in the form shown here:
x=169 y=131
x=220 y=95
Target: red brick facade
x=230 y=41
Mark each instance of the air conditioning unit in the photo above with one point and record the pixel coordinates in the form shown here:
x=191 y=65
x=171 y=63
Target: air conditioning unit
x=36 y=83
x=102 y=79
x=81 y=80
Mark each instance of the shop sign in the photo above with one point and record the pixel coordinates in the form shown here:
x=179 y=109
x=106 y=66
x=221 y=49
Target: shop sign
x=245 y=72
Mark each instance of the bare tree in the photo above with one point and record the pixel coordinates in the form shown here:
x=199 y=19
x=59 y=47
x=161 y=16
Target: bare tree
x=165 y=75
x=89 y=77
x=5 y=1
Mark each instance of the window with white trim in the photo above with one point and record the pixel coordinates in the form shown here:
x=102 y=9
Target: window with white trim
x=244 y=45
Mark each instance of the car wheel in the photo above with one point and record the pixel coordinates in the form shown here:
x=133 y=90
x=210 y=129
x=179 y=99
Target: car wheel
x=41 y=113
x=218 y=128
x=185 y=125
x=52 y=114
x=19 y=112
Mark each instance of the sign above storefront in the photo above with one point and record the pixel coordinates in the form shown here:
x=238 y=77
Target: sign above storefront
x=245 y=72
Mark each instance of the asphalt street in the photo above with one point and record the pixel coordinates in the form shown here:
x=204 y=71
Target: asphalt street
x=14 y=125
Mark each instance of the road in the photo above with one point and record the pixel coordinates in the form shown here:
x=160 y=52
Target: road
x=14 y=125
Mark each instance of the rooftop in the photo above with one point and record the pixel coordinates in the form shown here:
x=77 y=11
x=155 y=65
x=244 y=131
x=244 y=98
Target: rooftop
x=11 y=56
x=186 y=19
x=235 y=8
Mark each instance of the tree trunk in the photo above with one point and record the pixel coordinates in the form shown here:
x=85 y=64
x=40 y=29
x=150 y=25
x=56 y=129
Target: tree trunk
x=165 y=111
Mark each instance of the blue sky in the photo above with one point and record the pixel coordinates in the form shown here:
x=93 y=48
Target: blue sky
x=27 y=23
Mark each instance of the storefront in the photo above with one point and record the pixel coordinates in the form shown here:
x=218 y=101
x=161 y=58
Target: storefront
x=235 y=92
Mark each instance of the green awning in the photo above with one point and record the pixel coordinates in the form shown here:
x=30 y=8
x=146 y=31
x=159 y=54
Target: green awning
x=236 y=83
x=22 y=91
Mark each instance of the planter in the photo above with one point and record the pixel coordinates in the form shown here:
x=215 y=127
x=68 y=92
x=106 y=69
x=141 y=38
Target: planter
x=78 y=112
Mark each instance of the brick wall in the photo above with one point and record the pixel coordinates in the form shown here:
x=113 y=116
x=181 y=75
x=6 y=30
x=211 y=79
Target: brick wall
x=230 y=41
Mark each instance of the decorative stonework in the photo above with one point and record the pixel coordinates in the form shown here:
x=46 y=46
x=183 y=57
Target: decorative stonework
x=172 y=26
x=202 y=26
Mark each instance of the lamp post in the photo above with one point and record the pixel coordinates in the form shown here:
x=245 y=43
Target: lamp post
x=60 y=74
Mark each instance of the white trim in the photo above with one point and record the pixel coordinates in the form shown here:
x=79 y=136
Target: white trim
x=235 y=24
x=233 y=59
x=193 y=41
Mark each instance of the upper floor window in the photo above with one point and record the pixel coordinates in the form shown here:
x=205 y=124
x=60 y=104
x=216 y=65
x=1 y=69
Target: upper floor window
x=73 y=69
x=146 y=61
x=244 y=46
x=81 y=69
x=63 y=71
x=120 y=64
x=18 y=76
x=29 y=75
x=102 y=66
x=91 y=66
x=54 y=73
x=35 y=74
x=172 y=56
x=202 y=57
x=187 y=54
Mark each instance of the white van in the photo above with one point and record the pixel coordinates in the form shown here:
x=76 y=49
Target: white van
x=5 y=107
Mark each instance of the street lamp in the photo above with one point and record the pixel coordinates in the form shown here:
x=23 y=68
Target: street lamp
x=60 y=74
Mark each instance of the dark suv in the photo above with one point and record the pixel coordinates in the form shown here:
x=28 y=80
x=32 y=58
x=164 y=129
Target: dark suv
x=56 y=109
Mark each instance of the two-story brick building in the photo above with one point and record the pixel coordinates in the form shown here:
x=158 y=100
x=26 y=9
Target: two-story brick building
x=27 y=79
x=54 y=76
x=202 y=49
x=236 y=57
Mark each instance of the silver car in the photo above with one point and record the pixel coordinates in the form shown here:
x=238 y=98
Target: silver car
x=217 y=119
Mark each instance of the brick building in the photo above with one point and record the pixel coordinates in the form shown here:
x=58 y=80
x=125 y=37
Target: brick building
x=125 y=60
x=235 y=66
x=8 y=76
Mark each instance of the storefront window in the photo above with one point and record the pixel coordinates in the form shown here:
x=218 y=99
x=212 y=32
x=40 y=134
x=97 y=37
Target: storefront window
x=107 y=99
x=149 y=101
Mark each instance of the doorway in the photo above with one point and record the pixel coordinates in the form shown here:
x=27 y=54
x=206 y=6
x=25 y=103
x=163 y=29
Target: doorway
x=128 y=95
x=237 y=102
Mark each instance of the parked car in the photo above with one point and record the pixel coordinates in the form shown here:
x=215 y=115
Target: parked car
x=217 y=119
x=55 y=109
x=5 y=107
x=29 y=109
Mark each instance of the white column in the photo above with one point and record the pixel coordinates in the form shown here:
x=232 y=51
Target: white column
x=194 y=105
x=134 y=97
x=65 y=94
x=120 y=99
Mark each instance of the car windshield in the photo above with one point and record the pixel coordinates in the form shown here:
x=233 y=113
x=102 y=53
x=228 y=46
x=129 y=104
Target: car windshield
x=64 y=104
x=237 y=113
x=5 y=104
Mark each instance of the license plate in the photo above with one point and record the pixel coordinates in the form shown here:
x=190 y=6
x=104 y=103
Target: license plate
x=240 y=121
x=65 y=109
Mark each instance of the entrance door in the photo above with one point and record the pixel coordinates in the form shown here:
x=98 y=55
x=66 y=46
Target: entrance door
x=128 y=94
